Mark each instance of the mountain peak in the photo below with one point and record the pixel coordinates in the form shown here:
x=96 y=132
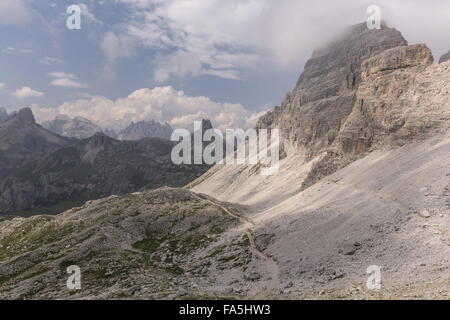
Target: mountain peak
x=24 y=117
x=206 y=125
x=146 y=129
x=311 y=115
x=98 y=141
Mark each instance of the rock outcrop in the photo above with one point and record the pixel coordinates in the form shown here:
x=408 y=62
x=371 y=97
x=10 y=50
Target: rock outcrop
x=387 y=111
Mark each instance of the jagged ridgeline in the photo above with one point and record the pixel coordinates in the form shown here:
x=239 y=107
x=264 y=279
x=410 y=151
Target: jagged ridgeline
x=42 y=172
x=82 y=128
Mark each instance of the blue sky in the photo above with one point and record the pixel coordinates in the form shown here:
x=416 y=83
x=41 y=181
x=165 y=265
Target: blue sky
x=178 y=60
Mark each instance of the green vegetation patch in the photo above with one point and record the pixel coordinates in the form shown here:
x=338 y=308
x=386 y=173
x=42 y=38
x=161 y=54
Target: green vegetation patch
x=32 y=234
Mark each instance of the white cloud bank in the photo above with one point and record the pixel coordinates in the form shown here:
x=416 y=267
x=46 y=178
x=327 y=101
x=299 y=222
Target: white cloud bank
x=50 y=61
x=67 y=80
x=223 y=38
x=13 y=12
x=27 y=92
x=115 y=47
x=164 y=104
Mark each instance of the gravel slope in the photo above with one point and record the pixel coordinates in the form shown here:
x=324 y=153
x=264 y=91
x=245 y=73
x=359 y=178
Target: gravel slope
x=390 y=208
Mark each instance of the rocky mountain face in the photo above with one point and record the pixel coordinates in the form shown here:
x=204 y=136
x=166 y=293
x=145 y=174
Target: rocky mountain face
x=77 y=127
x=355 y=96
x=42 y=169
x=394 y=105
x=311 y=116
x=445 y=57
x=146 y=129
x=23 y=140
x=402 y=99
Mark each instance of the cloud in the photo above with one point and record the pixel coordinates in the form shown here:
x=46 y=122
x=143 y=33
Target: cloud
x=88 y=15
x=164 y=104
x=115 y=47
x=68 y=83
x=59 y=74
x=2 y=85
x=14 y=12
x=420 y=22
x=137 y=3
x=68 y=80
x=228 y=37
x=10 y=49
x=198 y=37
x=26 y=92
x=50 y=61
x=180 y=64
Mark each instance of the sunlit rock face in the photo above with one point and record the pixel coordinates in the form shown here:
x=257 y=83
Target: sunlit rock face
x=311 y=116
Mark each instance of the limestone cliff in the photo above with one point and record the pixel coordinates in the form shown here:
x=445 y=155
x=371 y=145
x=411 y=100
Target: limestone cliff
x=311 y=116
x=379 y=92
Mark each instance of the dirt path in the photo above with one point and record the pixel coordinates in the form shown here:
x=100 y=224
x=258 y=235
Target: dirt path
x=272 y=285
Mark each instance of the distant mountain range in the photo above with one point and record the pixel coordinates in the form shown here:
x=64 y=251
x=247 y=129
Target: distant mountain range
x=77 y=127
x=81 y=128
x=146 y=129
x=39 y=168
